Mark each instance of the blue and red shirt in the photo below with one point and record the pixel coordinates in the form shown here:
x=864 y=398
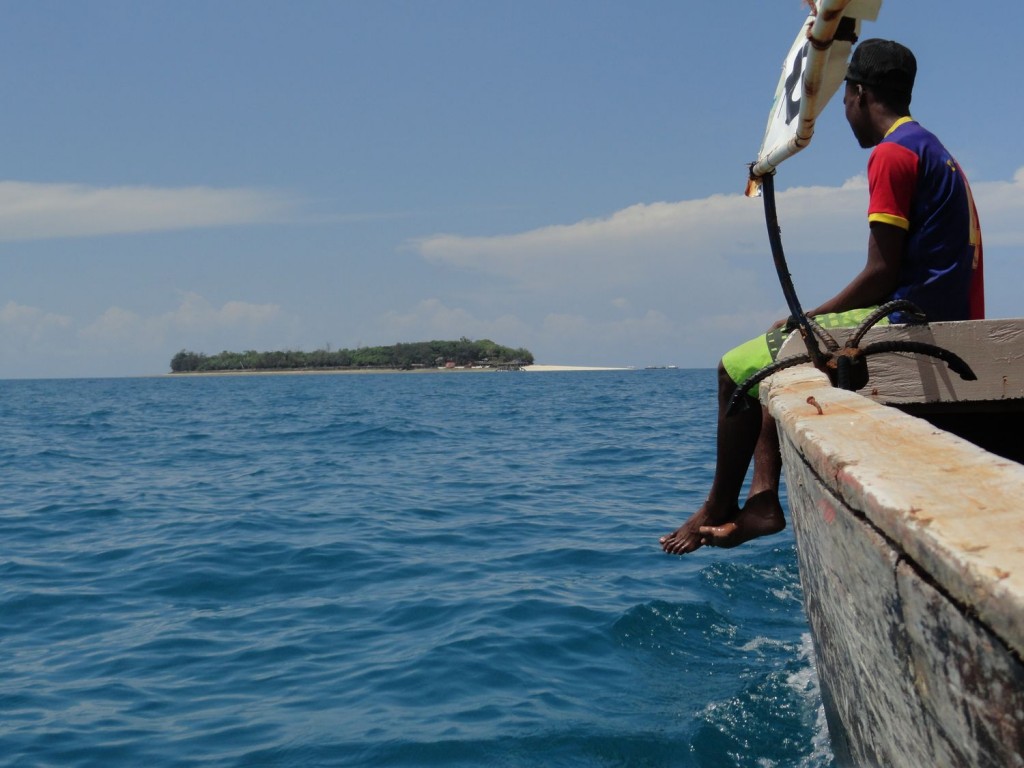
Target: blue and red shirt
x=915 y=184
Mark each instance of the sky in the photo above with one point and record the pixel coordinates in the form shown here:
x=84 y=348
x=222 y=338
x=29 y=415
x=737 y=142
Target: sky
x=561 y=175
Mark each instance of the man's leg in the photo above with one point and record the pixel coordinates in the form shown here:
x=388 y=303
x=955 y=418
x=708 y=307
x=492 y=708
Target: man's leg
x=737 y=438
x=762 y=514
x=719 y=522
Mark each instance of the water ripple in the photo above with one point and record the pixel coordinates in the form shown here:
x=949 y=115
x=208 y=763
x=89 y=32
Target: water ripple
x=385 y=571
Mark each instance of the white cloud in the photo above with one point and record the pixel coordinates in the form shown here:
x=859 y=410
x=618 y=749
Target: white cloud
x=656 y=240
x=193 y=320
x=695 y=252
x=34 y=211
x=115 y=324
x=652 y=276
x=34 y=342
x=1001 y=210
x=196 y=313
x=620 y=248
x=20 y=324
x=432 y=319
x=692 y=277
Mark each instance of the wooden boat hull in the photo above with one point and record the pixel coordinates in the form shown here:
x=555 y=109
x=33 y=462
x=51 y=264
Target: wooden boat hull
x=911 y=550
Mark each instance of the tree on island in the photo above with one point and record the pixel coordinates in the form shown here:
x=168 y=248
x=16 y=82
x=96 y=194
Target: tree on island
x=405 y=356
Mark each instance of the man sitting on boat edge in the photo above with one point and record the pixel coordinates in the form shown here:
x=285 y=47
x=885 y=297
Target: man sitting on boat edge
x=924 y=244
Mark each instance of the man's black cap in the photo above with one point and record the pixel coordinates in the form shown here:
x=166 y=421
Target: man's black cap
x=883 y=64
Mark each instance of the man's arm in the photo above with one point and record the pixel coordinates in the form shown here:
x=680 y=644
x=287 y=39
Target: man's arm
x=880 y=275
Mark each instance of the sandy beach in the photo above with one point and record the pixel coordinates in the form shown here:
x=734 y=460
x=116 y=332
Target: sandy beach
x=545 y=368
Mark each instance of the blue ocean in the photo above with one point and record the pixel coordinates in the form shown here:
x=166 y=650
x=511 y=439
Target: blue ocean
x=439 y=569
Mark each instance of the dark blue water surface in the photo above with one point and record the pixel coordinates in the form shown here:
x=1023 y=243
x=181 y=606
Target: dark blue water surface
x=447 y=569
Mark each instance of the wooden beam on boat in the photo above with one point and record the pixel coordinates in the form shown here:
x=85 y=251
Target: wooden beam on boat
x=993 y=348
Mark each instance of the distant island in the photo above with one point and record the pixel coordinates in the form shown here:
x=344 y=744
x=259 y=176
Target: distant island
x=463 y=353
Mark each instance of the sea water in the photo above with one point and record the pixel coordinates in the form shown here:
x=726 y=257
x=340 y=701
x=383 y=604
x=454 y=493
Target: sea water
x=446 y=569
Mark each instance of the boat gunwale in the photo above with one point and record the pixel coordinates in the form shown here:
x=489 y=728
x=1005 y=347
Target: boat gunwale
x=915 y=493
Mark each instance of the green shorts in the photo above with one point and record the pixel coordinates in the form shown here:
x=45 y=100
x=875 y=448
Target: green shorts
x=748 y=358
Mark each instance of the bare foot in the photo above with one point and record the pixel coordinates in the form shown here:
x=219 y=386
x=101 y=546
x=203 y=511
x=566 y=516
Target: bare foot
x=689 y=536
x=760 y=516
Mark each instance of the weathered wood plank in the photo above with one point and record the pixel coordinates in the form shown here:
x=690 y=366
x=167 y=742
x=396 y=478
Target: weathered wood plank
x=970 y=684
x=954 y=509
x=993 y=348
x=911 y=546
x=848 y=572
